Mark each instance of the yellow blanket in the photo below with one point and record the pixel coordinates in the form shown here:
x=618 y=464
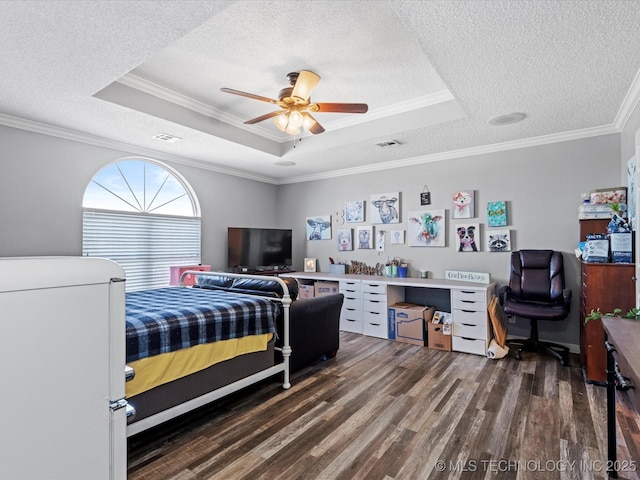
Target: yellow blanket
x=160 y=369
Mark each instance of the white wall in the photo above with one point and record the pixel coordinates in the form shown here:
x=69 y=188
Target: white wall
x=542 y=187
x=43 y=179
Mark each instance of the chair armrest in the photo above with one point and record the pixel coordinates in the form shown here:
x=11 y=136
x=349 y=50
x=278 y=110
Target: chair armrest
x=503 y=293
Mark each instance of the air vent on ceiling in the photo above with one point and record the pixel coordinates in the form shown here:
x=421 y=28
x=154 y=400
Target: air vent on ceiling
x=165 y=137
x=389 y=143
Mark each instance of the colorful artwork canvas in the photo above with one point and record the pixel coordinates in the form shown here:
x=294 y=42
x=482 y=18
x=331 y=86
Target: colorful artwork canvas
x=365 y=237
x=497 y=214
x=385 y=208
x=319 y=227
x=426 y=228
x=468 y=237
x=463 y=204
x=345 y=239
x=499 y=240
x=354 y=211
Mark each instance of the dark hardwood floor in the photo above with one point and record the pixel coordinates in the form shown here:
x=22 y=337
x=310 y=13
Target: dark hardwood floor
x=388 y=410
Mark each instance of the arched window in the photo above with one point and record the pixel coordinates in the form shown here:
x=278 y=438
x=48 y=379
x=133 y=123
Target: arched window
x=144 y=216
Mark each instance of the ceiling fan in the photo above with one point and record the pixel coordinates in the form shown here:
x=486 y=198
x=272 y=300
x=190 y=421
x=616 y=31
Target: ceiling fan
x=295 y=102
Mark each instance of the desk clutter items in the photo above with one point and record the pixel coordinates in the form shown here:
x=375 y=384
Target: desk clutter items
x=613 y=243
x=396 y=268
x=439 y=331
x=497 y=346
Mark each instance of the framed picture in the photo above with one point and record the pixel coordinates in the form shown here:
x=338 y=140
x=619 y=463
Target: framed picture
x=468 y=237
x=365 y=237
x=499 y=240
x=345 y=239
x=354 y=211
x=426 y=228
x=385 y=208
x=497 y=214
x=319 y=228
x=463 y=205
x=309 y=264
x=397 y=237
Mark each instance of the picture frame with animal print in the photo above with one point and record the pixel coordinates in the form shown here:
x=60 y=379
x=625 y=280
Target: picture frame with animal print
x=468 y=237
x=463 y=204
x=319 y=227
x=498 y=240
x=345 y=239
x=354 y=211
x=385 y=208
x=397 y=237
x=365 y=237
x=426 y=228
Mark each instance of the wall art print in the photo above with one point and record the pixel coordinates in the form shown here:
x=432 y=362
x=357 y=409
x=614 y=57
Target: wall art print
x=319 y=227
x=468 y=237
x=463 y=204
x=499 y=240
x=385 y=207
x=497 y=213
x=426 y=228
x=354 y=211
x=365 y=237
x=397 y=237
x=345 y=239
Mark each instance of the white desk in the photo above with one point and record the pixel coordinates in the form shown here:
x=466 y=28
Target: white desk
x=367 y=298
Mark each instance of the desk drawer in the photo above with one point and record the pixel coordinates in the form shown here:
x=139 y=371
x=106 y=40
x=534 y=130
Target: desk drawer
x=469 y=295
x=350 y=285
x=470 y=317
x=351 y=313
x=375 y=324
x=470 y=331
x=351 y=293
x=350 y=325
x=469 y=345
x=352 y=302
x=379 y=288
x=377 y=305
x=470 y=305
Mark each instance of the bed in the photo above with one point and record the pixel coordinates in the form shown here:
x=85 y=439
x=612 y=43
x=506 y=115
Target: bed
x=187 y=347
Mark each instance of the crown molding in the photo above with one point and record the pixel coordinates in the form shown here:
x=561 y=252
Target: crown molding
x=629 y=104
x=73 y=135
x=465 y=152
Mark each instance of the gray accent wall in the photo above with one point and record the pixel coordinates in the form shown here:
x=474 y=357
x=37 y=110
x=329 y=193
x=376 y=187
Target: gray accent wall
x=541 y=185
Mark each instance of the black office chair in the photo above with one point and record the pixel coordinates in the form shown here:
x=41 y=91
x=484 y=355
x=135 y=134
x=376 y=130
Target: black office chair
x=536 y=291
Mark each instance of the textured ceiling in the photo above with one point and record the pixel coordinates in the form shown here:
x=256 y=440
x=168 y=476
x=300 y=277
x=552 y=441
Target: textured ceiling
x=432 y=72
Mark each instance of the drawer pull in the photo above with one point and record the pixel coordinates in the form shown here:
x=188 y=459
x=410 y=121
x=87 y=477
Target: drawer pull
x=467 y=311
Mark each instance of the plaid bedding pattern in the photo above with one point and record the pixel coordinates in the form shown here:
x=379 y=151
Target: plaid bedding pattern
x=169 y=319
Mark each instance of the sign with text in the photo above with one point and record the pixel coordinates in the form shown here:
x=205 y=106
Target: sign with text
x=474 y=277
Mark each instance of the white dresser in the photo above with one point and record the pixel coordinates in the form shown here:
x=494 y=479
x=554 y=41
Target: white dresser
x=351 y=315
x=471 y=332
x=377 y=297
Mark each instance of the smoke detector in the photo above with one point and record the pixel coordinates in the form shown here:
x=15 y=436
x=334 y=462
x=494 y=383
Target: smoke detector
x=507 y=119
x=165 y=137
x=388 y=143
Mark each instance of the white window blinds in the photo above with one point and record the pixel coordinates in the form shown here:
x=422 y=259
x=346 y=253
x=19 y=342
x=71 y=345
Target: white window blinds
x=144 y=245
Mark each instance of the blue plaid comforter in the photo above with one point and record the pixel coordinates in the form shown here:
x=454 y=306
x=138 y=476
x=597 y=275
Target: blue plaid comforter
x=170 y=319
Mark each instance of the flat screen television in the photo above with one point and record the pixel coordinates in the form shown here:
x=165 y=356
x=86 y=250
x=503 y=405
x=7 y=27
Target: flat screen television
x=250 y=249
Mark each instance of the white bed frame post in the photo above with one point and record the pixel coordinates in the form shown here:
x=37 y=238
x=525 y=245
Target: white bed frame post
x=286 y=347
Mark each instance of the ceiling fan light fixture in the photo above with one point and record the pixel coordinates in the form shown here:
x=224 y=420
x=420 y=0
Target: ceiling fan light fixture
x=281 y=121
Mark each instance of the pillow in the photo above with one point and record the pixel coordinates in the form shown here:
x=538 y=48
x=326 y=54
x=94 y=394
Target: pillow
x=213 y=281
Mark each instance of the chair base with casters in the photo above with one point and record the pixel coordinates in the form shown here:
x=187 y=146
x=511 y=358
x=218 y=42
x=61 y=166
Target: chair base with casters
x=533 y=344
x=536 y=291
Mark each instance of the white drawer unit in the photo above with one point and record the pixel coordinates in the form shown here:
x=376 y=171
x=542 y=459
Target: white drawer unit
x=471 y=328
x=351 y=313
x=376 y=299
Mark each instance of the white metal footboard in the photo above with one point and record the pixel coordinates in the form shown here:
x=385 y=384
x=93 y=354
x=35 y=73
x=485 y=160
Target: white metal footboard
x=173 y=412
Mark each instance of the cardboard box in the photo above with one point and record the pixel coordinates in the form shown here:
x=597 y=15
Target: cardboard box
x=306 y=291
x=436 y=338
x=326 y=288
x=407 y=320
x=189 y=280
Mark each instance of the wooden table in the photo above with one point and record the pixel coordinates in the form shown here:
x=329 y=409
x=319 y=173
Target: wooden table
x=623 y=347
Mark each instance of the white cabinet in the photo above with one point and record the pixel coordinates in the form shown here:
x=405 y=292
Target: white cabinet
x=351 y=314
x=376 y=299
x=470 y=331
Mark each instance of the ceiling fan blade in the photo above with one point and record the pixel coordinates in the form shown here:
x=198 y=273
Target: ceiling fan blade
x=263 y=117
x=248 y=95
x=312 y=124
x=305 y=84
x=341 y=107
